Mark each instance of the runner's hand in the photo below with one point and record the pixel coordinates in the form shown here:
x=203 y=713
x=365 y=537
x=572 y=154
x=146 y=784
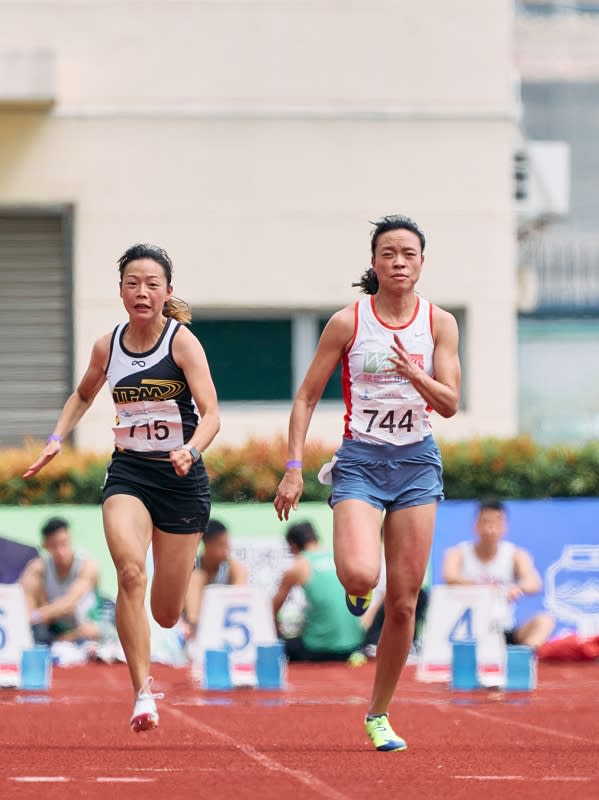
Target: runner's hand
x=47 y=454
x=401 y=360
x=288 y=493
x=182 y=461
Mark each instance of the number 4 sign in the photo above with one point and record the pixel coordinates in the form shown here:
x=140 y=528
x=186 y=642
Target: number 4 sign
x=463 y=612
x=236 y=619
x=15 y=633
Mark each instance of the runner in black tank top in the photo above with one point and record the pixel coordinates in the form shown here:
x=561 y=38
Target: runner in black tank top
x=156 y=489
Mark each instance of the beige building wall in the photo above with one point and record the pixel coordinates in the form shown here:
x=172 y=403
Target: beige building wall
x=254 y=140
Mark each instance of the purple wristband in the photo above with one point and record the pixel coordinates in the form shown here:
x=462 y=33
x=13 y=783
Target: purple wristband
x=54 y=437
x=293 y=464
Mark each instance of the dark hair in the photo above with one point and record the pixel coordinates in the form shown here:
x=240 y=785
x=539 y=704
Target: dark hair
x=52 y=525
x=175 y=307
x=491 y=505
x=369 y=283
x=214 y=528
x=301 y=535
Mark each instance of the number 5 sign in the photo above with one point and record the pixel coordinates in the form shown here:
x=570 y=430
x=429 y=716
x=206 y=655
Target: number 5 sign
x=463 y=612
x=15 y=633
x=236 y=619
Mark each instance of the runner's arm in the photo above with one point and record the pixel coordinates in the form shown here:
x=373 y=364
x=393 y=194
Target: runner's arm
x=441 y=392
x=331 y=347
x=77 y=404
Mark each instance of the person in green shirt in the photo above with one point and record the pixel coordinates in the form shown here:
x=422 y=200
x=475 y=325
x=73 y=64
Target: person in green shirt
x=329 y=632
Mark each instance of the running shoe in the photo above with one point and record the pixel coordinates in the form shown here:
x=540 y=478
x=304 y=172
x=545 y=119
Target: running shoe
x=357 y=604
x=357 y=659
x=382 y=735
x=145 y=716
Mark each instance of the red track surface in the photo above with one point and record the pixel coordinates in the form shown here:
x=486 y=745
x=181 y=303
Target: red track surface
x=306 y=742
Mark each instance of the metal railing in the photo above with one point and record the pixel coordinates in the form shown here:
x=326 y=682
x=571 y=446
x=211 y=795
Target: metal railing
x=565 y=271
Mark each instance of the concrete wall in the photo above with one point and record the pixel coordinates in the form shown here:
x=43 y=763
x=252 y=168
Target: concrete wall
x=254 y=140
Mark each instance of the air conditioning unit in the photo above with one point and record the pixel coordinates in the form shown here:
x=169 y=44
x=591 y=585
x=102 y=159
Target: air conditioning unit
x=542 y=181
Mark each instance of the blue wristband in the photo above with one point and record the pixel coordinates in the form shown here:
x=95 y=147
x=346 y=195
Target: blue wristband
x=293 y=464
x=54 y=437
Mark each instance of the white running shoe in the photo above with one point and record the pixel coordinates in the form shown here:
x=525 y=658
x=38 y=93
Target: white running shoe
x=145 y=716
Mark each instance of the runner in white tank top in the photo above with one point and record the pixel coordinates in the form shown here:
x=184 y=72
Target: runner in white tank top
x=400 y=362
x=381 y=405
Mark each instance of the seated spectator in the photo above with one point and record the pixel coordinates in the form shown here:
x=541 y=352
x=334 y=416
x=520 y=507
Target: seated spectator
x=61 y=589
x=214 y=566
x=492 y=561
x=329 y=632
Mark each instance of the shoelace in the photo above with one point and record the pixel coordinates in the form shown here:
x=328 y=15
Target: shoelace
x=382 y=726
x=146 y=690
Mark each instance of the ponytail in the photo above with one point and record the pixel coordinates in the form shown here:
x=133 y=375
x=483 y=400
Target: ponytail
x=177 y=309
x=368 y=283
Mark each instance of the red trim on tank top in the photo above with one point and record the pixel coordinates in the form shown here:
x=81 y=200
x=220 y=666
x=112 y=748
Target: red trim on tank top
x=430 y=320
x=395 y=327
x=345 y=376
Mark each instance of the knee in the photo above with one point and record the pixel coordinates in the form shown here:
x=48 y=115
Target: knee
x=165 y=617
x=132 y=578
x=400 y=610
x=545 y=622
x=357 y=580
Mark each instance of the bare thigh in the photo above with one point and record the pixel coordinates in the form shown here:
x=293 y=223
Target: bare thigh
x=174 y=556
x=128 y=529
x=357 y=544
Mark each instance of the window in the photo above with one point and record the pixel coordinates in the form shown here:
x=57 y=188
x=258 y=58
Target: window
x=250 y=359
x=266 y=359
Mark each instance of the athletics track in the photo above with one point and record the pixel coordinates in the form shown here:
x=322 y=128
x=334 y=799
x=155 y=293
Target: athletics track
x=306 y=742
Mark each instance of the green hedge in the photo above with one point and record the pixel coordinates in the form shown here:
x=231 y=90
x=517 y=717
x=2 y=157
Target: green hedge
x=511 y=468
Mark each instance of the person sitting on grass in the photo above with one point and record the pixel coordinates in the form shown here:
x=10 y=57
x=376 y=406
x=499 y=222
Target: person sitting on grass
x=329 y=632
x=491 y=561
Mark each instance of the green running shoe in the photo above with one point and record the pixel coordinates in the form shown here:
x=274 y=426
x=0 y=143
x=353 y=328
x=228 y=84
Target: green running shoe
x=382 y=735
x=357 y=604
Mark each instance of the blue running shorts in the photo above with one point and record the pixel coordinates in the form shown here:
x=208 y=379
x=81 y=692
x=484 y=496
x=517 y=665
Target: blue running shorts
x=387 y=476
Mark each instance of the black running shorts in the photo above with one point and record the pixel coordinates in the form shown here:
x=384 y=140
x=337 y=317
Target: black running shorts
x=176 y=504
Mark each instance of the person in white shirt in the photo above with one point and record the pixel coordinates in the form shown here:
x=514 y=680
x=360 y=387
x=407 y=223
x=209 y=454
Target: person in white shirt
x=490 y=560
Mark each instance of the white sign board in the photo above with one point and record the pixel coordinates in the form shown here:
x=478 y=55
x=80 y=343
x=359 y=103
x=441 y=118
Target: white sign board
x=15 y=633
x=236 y=619
x=464 y=612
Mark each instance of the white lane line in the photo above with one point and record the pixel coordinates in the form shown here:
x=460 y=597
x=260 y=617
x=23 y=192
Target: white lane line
x=565 y=778
x=172 y=769
x=529 y=726
x=41 y=779
x=125 y=780
x=490 y=777
x=314 y=783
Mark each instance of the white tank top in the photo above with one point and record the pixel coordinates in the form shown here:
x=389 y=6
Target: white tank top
x=499 y=571
x=56 y=588
x=383 y=407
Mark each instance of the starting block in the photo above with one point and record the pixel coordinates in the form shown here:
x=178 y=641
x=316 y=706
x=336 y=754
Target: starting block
x=464 y=613
x=15 y=633
x=237 y=622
